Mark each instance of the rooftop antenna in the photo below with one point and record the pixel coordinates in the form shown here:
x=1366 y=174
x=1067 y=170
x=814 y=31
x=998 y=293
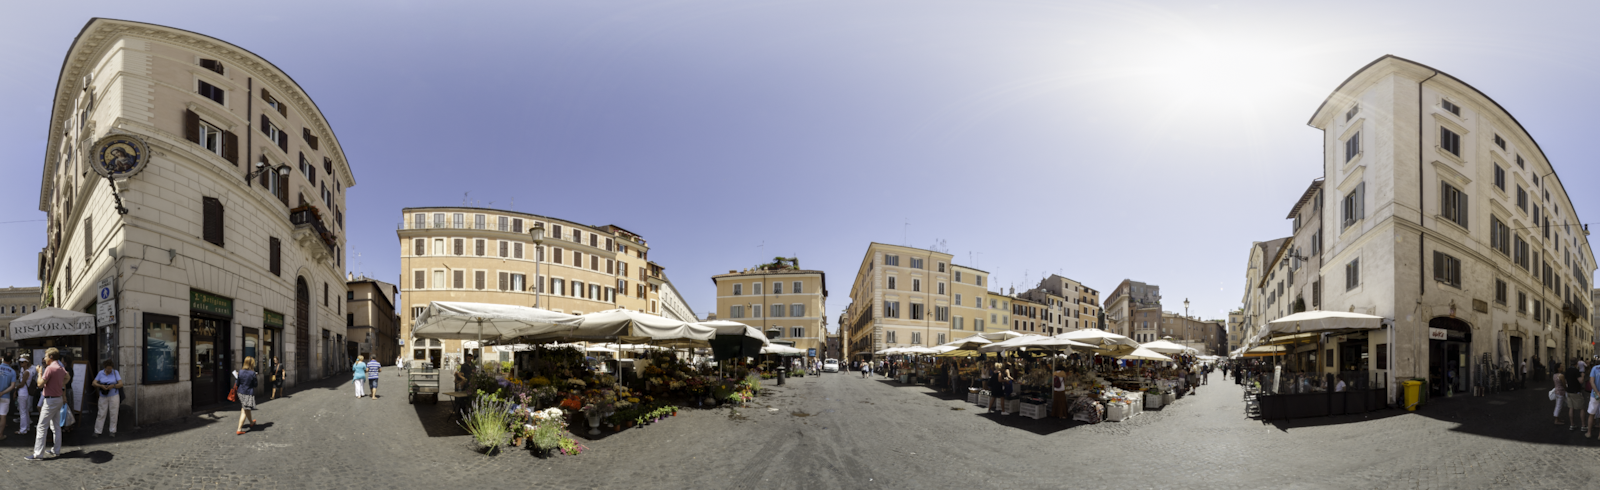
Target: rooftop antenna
x=905 y=233
x=464 y=197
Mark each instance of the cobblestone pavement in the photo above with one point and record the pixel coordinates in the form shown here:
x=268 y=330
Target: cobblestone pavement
x=837 y=431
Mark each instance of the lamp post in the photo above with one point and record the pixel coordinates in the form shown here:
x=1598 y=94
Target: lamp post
x=1186 y=336
x=538 y=257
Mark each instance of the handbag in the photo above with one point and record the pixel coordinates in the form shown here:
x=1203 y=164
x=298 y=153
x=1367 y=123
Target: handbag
x=233 y=393
x=1553 y=394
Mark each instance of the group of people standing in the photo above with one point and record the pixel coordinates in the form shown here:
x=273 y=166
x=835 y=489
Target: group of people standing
x=1574 y=389
x=19 y=386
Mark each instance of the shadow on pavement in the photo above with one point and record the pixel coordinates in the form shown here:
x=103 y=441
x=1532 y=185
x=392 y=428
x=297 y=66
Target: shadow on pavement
x=1284 y=425
x=437 y=420
x=1523 y=415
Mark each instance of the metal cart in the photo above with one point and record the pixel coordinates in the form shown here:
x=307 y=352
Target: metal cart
x=422 y=380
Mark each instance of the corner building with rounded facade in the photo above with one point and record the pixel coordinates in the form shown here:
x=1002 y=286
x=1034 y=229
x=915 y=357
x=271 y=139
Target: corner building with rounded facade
x=217 y=257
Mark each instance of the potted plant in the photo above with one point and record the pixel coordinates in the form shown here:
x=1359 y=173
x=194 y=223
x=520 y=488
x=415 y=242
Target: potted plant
x=489 y=421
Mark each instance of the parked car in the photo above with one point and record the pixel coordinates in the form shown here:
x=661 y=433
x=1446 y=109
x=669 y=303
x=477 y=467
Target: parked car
x=830 y=365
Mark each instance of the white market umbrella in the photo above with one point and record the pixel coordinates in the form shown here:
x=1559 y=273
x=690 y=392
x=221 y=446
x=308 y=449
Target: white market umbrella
x=1010 y=344
x=725 y=327
x=450 y=320
x=627 y=326
x=1095 y=336
x=1143 y=354
x=52 y=322
x=1165 y=347
x=596 y=348
x=782 y=350
x=1323 y=321
x=918 y=350
x=1002 y=335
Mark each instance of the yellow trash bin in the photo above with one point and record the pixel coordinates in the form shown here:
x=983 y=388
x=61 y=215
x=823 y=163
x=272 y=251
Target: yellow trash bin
x=1413 y=391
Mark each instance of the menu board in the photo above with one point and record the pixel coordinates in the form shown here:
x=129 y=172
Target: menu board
x=78 y=371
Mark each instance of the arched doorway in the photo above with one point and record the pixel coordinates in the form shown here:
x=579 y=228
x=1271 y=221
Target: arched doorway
x=302 y=330
x=1449 y=356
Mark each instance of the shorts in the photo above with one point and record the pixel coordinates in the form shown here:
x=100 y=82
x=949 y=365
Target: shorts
x=1575 y=400
x=1594 y=405
x=373 y=383
x=247 y=402
x=5 y=406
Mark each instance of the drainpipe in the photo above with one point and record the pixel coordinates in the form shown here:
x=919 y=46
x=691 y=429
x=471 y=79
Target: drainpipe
x=1422 y=235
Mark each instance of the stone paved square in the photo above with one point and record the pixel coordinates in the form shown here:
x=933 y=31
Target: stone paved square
x=841 y=431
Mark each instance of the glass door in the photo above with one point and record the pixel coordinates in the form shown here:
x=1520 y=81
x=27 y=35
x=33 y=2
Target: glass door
x=203 y=361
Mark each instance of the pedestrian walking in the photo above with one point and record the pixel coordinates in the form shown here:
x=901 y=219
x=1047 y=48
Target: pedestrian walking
x=245 y=386
x=1559 y=395
x=1574 y=390
x=277 y=378
x=24 y=399
x=359 y=375
x=52 y=377
x=995 y=385
x=866 y=370
x=399 y=364
x=109 y=381
x=8 y=385
x=373 y=370
x=1594 y=400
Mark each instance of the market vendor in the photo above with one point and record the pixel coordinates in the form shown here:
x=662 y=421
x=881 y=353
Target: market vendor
x=1059 y=395
x=464 y=375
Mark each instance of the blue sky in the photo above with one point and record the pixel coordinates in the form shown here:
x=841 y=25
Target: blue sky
x=1099 y=140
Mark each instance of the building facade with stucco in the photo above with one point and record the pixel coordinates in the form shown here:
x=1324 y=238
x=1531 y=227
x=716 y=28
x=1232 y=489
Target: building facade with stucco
x=204 y=189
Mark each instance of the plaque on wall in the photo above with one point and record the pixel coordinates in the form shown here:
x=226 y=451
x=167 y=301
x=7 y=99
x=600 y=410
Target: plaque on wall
x=119 y=156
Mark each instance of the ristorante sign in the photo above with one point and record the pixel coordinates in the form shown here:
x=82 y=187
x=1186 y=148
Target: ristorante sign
x=53 y=327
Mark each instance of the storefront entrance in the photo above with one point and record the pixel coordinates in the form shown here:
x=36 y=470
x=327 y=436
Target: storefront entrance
x=210 y=348
x=209 y=359
x=302 y=331
x=1449 y=356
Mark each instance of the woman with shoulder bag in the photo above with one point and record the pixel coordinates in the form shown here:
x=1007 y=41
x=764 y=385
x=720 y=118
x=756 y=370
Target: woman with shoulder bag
x=245 y=391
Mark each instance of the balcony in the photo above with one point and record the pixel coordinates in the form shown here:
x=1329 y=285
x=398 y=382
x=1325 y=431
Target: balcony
x=309 y=232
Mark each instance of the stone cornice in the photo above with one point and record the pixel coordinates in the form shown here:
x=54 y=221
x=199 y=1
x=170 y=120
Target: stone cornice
x=100 y=33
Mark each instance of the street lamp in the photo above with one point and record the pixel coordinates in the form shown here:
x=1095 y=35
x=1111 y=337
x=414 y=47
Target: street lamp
x=538 y=256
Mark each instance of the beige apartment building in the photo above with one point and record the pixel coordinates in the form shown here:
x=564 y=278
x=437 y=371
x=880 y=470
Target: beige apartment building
x=14 y=303
x=1071 y=305
x=370 y=318
x=1134 y=309
x=999 y=310
x=494 y=256
x=786 y=302
x=969 y=295
x=901 y=297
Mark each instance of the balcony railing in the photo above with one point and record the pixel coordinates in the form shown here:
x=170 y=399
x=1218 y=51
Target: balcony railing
x=308 y=216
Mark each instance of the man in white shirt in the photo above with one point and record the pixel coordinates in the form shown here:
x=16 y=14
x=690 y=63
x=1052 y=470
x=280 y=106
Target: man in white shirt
x=24 y=402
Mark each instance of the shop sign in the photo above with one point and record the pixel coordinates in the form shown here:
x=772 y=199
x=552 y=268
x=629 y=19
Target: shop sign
x=211 y=304
x=1438 y=334
x=811 y=352
x=106 y=309
x=53 y=327
x=271 y=318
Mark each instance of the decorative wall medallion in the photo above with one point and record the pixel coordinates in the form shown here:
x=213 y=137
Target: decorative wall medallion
x=119 y=156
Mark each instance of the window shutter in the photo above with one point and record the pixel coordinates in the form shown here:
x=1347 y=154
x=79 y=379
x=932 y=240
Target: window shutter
x=477 y=246
x=577 y=259
x=416 y=279
x=265 y=125
x=1438 y=266
x=504 y=249
x=556 y=254
x=311 y=172
x=611 y=266
x=1361 y=200
x=230 y=148
x=327 y=164
x=310 y=139
x=88 y=239
x=516 y=251
x=274 y=257
x=459 y=245
x=594 y=263
x=477 y=279
x=191 y=126
x=283 y=190
x=212 y=226
x=283 y=142
x=1461 y=210
x=268 y=173
x=504 y=279
x=418 y=247
x=459 y=278
x=265 y=95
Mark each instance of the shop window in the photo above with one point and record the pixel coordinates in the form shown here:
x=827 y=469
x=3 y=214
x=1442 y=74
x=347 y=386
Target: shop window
x=1383 y=356
x=160 y=349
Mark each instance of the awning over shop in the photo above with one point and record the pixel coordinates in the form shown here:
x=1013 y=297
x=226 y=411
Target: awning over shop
x=52 y=322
